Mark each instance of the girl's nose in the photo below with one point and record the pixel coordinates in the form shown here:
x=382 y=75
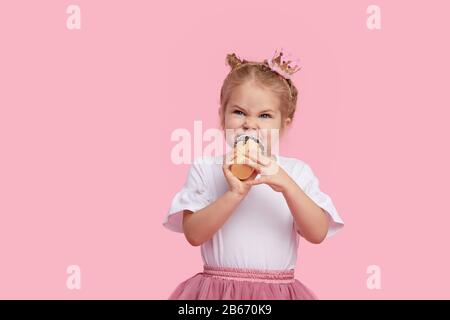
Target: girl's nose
x=250 y=124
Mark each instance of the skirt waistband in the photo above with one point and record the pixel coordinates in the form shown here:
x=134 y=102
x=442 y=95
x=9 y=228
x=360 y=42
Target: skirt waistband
x=254 y=275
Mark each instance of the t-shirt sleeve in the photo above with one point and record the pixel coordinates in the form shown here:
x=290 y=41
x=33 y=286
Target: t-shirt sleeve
x=193 y=196
x=309 y=183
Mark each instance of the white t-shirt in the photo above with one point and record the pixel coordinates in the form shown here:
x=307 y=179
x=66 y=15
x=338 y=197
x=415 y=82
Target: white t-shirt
x=261 y=233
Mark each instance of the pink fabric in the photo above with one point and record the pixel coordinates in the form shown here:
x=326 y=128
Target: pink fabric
x=220 y=283
x=238 y=274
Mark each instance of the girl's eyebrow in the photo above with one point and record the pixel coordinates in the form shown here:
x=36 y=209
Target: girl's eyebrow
x=265 y=111
x=268 y=110
x=238 y=107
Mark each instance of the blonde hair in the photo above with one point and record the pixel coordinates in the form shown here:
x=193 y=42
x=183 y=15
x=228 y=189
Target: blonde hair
x=243 y=71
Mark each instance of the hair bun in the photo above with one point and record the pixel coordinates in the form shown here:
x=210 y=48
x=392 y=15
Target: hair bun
x=233 y=61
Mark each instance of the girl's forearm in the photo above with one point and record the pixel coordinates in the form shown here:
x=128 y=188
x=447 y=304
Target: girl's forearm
x=309 y=217
x=201 y=225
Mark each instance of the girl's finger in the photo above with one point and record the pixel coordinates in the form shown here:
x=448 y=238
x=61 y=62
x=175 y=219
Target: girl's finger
x=257 y=181
x=259 y=158
x=253 y=176
x=253 y=164
x=226 y=168
x=229 y=158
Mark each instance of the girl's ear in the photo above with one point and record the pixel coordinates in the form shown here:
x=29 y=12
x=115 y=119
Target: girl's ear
x=287 y=122
x=285 y=125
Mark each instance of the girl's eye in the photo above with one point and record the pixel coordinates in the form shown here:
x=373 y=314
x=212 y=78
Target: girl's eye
x=238 y=112
x=266 y=114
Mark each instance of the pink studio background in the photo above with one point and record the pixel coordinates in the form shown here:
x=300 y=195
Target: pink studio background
x=86 y=117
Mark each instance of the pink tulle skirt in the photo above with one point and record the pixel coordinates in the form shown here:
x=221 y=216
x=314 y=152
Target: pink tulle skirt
x=221 y=283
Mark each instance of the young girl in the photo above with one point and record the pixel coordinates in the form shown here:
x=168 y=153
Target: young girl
x=249 y=230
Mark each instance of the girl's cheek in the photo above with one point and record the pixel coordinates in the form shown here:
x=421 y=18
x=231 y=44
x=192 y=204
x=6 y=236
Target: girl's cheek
x=235 y=122
x=271 y=125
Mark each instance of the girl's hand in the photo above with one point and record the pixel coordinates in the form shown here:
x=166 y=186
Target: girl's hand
x=271 y=173
x=235 y=185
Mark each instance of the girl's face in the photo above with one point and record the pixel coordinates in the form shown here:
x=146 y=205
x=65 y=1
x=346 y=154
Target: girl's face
x=255 y=110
